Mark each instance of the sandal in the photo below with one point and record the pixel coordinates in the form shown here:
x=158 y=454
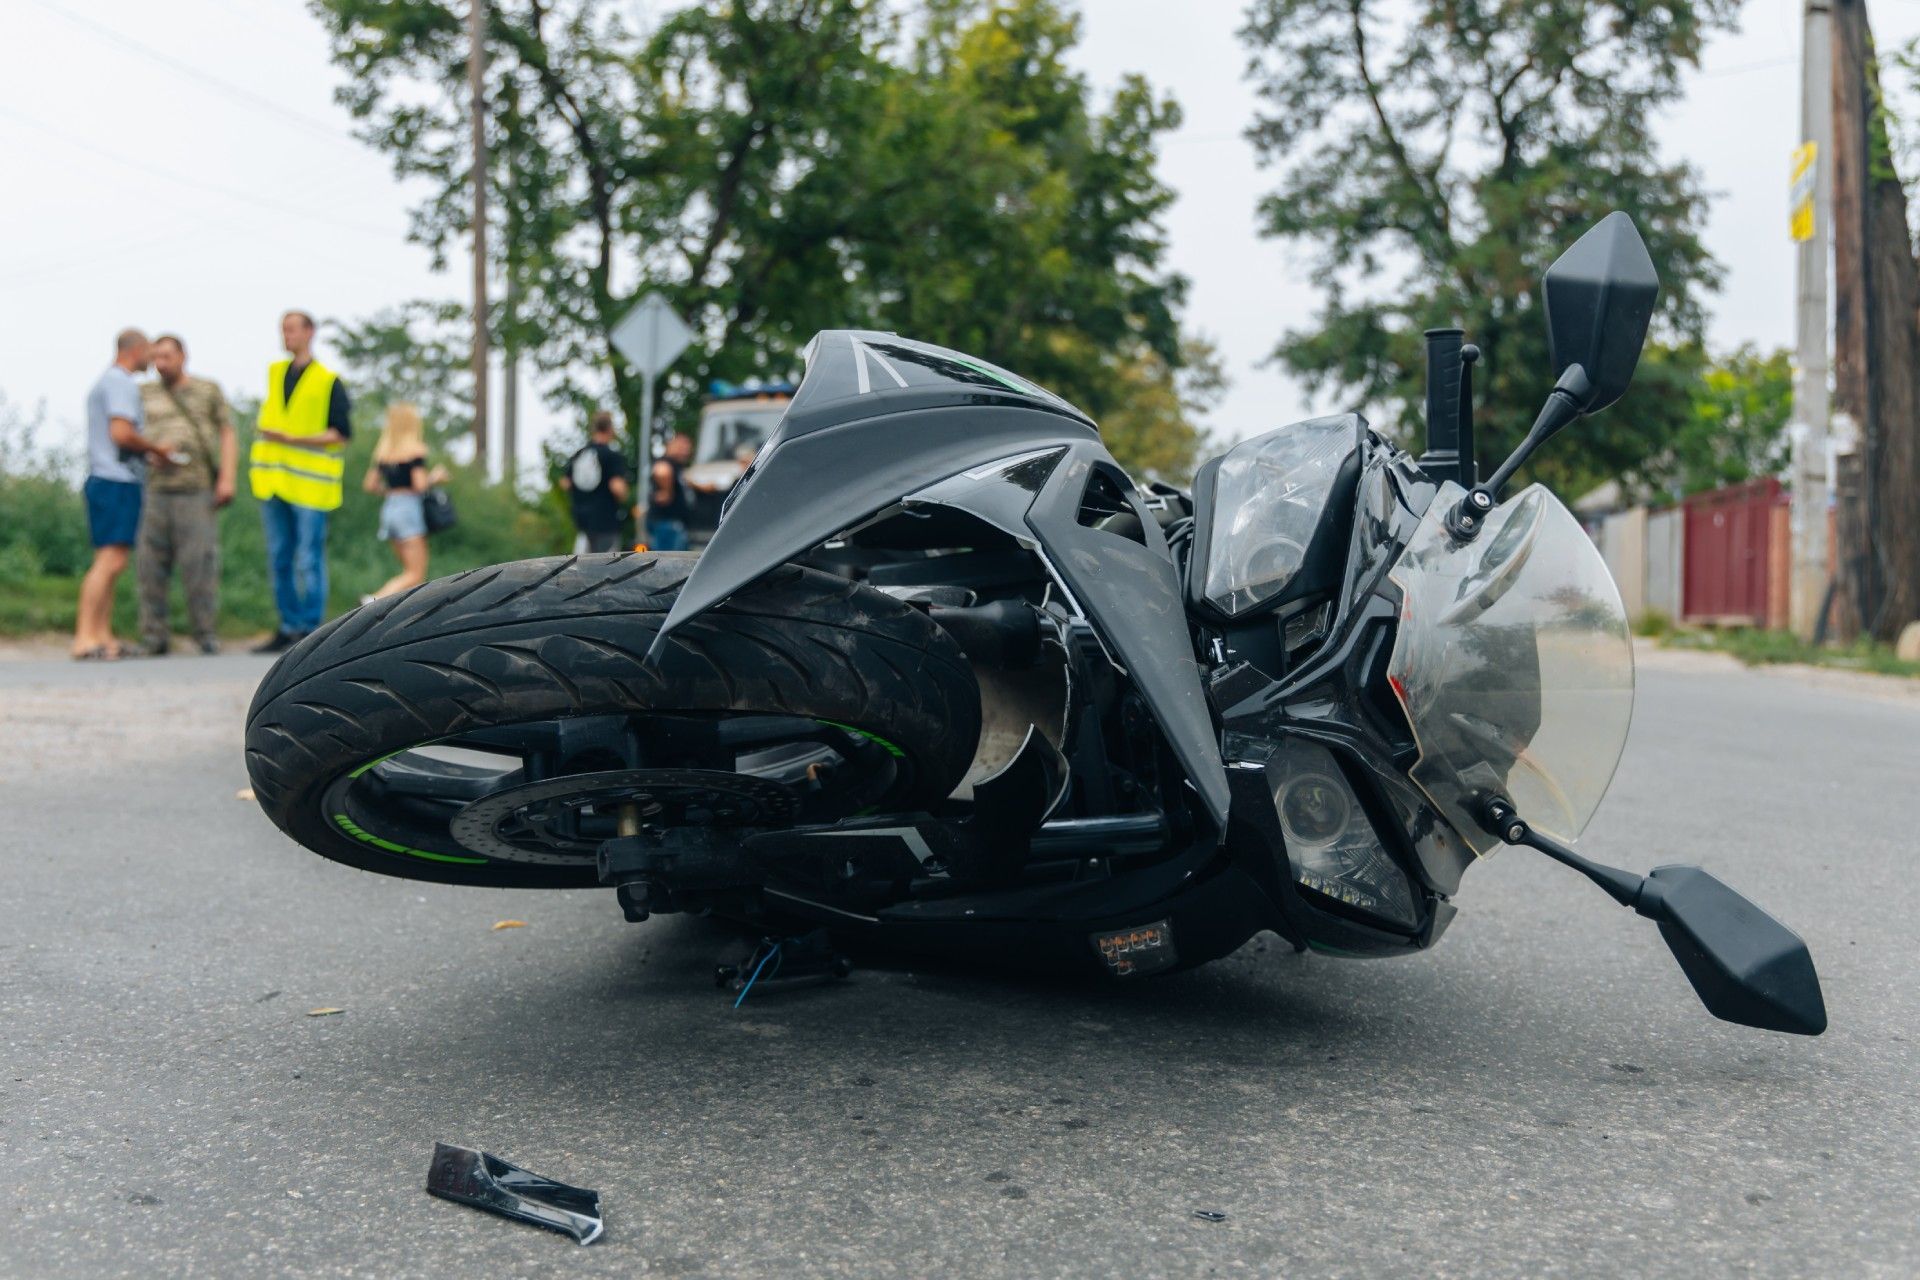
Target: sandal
x=99 y=653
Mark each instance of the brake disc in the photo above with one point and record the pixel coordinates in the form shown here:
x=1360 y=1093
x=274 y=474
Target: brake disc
x=562 y=821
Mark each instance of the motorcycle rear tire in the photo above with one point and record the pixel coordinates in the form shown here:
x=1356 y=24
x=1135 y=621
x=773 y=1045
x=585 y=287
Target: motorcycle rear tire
x=565 y=636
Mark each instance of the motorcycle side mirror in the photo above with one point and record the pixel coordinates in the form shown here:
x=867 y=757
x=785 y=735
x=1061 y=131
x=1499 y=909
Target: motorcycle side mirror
x=1599 y=297
x=1599 y=301
x=1745 y=966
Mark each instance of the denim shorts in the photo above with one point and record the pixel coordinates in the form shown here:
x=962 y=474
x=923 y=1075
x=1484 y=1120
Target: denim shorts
x=402 y=515
x=113 y=511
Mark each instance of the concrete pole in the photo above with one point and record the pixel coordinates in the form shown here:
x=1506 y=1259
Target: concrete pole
x=477 y=110
x=1808 y=584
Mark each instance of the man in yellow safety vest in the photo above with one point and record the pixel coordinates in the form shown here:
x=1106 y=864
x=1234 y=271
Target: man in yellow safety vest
x=295 y=468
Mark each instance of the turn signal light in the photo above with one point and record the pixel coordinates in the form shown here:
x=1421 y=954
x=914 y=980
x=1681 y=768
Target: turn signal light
x=1143 y=949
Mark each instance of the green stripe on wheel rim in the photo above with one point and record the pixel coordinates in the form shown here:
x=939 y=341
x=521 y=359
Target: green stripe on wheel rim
x=870 y=737
x=353 y=829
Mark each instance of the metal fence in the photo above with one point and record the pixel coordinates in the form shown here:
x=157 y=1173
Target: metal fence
x=1715 y=559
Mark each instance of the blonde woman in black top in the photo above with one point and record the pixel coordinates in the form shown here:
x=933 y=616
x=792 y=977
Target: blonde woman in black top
x=399 y=471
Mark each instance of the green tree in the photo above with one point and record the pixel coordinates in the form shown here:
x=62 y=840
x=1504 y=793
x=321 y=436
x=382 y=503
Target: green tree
x=1737 y=429
x=1153 y=403
x=1437 y=155
x=776 y=167
x=417 y=352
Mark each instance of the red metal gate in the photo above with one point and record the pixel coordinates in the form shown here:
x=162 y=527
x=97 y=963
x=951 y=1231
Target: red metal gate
x=1730 y=536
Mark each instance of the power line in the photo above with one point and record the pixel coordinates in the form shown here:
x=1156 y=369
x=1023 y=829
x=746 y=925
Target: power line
x=251 y=16
x=231 y=193
x=119 y=252
x=1741 y=68
x=192 y=72
x=212 y=222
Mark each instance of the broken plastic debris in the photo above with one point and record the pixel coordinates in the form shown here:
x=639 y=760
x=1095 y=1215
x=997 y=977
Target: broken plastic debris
x=1209 y=1215
x=781 y=963
x=324 y=1011
x=509 y=924
x=487 y=1182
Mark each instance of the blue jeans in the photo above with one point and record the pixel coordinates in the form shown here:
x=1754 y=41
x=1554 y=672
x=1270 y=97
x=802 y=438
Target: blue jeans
x=297 y=560
x=666 y=535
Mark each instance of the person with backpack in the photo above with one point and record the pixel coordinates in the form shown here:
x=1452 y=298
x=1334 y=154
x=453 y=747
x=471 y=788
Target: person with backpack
x=595 y=481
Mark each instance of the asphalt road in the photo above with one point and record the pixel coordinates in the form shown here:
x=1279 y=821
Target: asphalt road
x=1540 y=1095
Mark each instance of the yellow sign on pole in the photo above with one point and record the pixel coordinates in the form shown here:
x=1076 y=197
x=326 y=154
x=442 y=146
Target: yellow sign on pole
x=1806 y=159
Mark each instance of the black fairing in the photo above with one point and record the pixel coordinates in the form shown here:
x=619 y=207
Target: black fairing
x=1128 y=589
x=878 y=419
x=875 y=418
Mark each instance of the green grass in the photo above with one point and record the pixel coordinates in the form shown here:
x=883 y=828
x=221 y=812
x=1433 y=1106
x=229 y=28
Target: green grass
x=1654 y=625
x=1757 y=647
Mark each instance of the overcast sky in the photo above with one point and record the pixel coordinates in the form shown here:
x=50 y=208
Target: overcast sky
x=182 y=166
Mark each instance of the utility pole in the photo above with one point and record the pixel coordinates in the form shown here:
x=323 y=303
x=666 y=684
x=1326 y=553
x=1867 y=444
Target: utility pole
x=477 y=109
x=510 y=357
x=1852 y=416
x=510 y=390
x=1812 y=229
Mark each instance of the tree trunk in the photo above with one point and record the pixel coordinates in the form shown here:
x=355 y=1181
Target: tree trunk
x=1893 y=463
x=1850 y=540
x=1889 y=307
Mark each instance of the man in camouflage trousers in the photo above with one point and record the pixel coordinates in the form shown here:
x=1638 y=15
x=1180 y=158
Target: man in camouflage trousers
x=179 y=527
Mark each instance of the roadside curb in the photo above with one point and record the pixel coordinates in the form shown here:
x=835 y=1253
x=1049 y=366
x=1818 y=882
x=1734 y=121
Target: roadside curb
x=1651 y=655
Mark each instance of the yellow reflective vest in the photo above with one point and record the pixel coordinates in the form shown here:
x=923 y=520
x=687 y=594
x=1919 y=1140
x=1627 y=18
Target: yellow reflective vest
x=303 y=477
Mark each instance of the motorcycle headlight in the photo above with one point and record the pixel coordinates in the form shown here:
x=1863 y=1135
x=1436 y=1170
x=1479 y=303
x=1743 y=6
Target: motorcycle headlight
x=1331 y=844
x=1269 y=494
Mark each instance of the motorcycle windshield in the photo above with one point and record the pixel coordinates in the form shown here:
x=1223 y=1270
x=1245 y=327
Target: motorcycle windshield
x=1514 y=664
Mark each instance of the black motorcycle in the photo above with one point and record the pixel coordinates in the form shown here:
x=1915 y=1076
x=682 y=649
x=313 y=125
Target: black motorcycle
x=947 y=679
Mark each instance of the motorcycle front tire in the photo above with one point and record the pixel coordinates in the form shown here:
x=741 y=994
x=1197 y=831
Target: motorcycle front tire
x=560 y=637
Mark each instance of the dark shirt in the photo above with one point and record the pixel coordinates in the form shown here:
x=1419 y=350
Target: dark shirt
x=398 y=476
x=678 y=506
x=339 y=406
x=590 y=471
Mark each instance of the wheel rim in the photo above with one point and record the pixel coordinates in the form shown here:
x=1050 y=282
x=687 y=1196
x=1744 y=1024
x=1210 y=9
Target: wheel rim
x=564 y=820
x=473 y=798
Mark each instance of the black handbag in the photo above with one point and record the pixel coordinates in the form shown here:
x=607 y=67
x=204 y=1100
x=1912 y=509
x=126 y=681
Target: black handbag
x=437 y=505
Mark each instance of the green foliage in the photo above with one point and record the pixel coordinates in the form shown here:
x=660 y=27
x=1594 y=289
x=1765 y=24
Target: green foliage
x=1655 y=624
x=776 y=167
x=1737 y=431
x=417 y=352
x=37 y=492
x=1152 y=401
x=1437 y=155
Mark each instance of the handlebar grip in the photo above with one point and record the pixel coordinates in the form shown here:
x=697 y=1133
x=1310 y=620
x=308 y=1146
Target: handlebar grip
x=1442 y=457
